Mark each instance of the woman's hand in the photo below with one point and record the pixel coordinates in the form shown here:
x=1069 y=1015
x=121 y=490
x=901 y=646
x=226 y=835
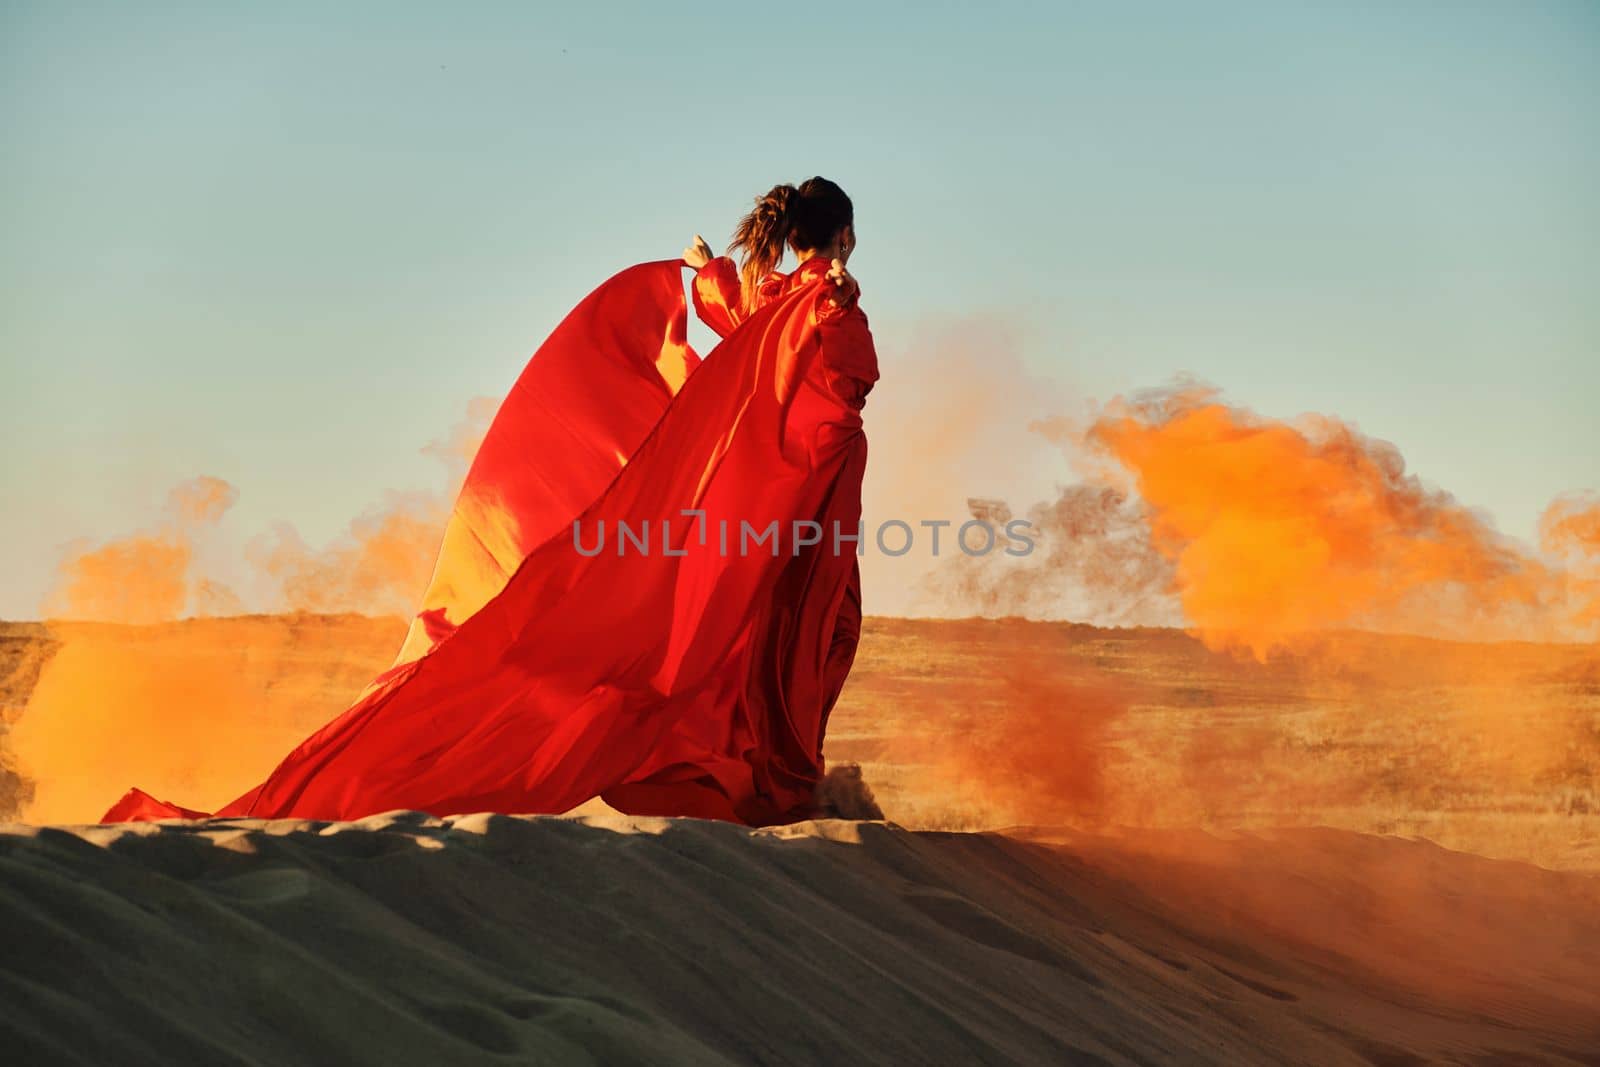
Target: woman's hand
x=698 y=254
x=843 y=282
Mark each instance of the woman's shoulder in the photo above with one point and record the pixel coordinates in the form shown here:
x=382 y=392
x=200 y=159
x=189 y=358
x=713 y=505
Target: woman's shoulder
x=778 y=282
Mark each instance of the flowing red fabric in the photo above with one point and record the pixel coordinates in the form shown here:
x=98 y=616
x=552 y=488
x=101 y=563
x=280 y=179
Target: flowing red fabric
x=685 y=666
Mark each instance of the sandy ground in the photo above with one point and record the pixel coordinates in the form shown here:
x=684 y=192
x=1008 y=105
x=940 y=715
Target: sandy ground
x=489 y=938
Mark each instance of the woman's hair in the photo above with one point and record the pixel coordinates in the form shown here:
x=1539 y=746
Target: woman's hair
x=805 y=218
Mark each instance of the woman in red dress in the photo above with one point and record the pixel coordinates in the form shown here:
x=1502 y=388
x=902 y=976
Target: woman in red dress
x=648 y=589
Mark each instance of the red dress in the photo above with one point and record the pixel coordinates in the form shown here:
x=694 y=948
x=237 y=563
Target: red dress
x=690 y=672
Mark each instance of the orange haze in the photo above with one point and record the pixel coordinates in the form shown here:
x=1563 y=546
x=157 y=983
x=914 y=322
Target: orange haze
x=168 y=707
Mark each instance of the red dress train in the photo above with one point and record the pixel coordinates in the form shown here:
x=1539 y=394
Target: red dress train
x=688 y=666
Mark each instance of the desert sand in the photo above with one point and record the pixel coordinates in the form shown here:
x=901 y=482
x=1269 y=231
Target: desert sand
x=488 y=938
x=1103 y=846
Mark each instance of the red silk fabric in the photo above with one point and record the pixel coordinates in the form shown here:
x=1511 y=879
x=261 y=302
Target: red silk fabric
x=691 y=678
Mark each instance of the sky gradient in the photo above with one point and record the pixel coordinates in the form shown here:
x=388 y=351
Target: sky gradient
x=285 y=246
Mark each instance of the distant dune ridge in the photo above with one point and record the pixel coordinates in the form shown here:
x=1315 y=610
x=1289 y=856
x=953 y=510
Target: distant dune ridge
x=955 y=724
x=487 y=938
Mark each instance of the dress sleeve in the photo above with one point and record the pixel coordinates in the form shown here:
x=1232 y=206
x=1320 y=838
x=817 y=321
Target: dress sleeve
x=849 y=359
x=718 y=299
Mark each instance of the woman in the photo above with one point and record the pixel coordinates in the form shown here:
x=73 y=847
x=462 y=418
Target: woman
x=557 y=655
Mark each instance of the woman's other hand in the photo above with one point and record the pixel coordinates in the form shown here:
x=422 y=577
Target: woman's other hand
x=843 y=282
x=698 y=254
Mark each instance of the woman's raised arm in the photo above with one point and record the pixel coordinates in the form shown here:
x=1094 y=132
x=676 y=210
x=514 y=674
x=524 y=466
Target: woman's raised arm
x=717 y=296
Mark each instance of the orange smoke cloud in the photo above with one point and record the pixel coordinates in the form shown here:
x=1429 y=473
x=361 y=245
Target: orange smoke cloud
x=1092 y=562
x=200 y=500
x=1070 y=724
x=115 y=707
x=954 y=426
x=146 y=577
x=382 y=563
x=1277 y=529
x=1041 y=753
x=1571 y=522
x=137 y=579
x=1570 y=530
x=170 y=707
x=379 y=567
x=457 y=448
x=197 y=711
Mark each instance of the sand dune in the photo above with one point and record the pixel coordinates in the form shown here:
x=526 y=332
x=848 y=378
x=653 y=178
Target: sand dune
x=488 y=938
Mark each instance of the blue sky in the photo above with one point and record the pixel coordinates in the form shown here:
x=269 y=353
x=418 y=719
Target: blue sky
x=284 y=245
